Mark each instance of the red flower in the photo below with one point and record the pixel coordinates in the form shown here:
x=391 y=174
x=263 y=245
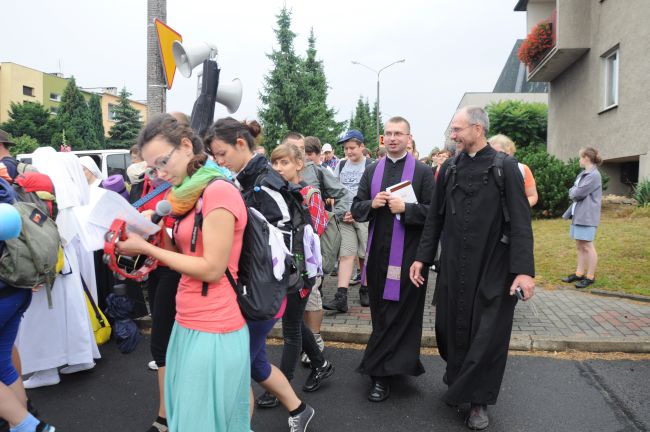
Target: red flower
x=540 y=40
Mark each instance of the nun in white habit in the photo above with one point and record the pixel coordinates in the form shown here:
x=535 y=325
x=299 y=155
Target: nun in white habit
x=50 y=338
x=92 y=172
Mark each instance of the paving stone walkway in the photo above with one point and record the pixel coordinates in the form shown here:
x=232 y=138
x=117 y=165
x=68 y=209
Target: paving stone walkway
x=557 y=319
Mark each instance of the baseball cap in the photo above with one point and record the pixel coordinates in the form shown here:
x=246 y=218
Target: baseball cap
x=327 y=148
x=351 y=134
x=4 y=139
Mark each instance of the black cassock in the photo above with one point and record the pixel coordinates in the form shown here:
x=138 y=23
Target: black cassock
x=394 y=345
x=474 y=311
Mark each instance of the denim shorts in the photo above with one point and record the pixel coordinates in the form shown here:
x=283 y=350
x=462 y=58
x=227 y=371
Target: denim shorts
x=582 y=232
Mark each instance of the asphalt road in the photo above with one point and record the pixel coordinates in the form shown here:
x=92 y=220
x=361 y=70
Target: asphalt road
x=538 y=394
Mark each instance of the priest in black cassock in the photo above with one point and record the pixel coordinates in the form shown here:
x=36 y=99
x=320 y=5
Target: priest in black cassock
x=487 y=252
x=396 y=305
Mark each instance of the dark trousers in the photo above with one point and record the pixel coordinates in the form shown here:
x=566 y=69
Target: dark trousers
x=297 y=337
x=163 y=284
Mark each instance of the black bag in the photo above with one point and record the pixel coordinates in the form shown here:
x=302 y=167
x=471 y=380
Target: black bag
x=259 y=293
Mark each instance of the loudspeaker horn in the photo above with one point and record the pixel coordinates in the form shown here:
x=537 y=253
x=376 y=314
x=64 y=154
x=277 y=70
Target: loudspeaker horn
x=230 y=94
x=188 y=57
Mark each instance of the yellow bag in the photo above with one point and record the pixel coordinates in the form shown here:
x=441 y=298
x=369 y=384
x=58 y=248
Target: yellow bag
x=100 y=325
x=60 y=260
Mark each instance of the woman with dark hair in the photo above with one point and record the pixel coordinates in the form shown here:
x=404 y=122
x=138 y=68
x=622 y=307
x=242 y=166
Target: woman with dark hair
x=232 y=143
x=207 y=376
x=584 y=213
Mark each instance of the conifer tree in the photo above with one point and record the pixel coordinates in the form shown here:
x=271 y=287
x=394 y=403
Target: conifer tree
x=124 y=132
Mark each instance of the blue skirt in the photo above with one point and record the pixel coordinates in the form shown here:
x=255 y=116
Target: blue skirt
x=582 y=232
x=207 y=381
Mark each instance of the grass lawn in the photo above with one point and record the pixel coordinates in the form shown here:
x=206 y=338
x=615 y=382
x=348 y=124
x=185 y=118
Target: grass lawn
x=623 y=246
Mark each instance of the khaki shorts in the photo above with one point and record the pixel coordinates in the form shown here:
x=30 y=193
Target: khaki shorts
x=315 y=300
x=354 y=238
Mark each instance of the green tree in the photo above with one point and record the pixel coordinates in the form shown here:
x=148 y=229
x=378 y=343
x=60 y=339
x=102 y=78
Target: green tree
x=281 y=99
x=30 y=118
x=371 y=141
x=74 y=117
x=364 y=121
x=95 y=111
x=315 y=117
x=124 y=132
x=524 y=122
x=24 y=144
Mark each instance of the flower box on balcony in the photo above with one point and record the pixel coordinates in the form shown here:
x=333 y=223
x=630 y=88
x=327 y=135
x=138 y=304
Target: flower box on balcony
x=537 y=44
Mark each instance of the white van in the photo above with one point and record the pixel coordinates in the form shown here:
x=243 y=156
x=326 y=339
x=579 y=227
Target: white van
x=109 y=161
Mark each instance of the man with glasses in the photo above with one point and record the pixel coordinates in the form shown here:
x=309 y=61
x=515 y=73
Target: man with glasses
x=487 y=253
x=396 y=222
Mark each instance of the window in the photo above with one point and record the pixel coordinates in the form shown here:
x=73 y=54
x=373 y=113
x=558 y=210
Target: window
x=54 y=110
x=610 y=66
x=28 y=91
x=111 y=112
x=117 y=164
x=55 y=97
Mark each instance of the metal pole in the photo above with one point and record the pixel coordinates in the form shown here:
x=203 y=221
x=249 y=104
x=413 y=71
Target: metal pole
x=377 y=110
x=378 y=73
x=156 y=88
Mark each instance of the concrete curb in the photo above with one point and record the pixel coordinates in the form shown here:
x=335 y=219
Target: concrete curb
x=352 y=334
x=635 y=297
x=633 y=345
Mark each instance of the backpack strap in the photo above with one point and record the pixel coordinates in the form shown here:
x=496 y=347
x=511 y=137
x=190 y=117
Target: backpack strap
x=450 y=175
x=341 y=165
x=499 y=175
x=151 y=195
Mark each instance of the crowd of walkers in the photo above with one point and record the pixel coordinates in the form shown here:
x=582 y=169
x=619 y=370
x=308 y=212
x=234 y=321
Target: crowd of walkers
x=467 y=213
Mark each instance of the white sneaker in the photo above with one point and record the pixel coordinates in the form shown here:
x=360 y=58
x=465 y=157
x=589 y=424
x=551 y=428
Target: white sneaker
x=152 y=365
x=42 y=378
x=77 y=368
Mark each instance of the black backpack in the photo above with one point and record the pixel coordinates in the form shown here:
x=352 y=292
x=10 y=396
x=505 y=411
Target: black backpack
x=299 y=218
x=499 y=177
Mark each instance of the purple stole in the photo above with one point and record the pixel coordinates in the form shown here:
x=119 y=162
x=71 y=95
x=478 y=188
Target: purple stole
x=394 y=274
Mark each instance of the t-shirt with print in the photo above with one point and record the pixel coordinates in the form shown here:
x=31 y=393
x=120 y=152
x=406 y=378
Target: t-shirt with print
x=218 y=312
x=351 y=175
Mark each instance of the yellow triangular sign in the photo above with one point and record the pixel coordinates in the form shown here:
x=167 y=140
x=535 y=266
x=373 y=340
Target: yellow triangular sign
x=166 y=37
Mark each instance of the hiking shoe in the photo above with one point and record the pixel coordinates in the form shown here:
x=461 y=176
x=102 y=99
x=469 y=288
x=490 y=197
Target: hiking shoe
x=317 y=376
x=44 y=427
x=267 y=400
x=356 y=278
x=304 y=359
x=364 y=300
x=572 y=278
x=339 y=303
x=478 y=417
x=585 y=282
x=298 y=423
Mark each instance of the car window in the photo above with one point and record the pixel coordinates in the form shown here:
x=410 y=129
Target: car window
x=117 y=164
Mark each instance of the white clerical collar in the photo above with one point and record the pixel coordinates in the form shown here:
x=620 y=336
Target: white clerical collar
x=397 y=158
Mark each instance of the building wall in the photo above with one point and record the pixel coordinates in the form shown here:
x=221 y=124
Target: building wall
x=536 y=11
x=53 y=84
x=110 y=99
x=12 y=79
x=576 y=98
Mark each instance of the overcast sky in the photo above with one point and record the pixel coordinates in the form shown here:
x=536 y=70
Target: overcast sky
x=450 y=46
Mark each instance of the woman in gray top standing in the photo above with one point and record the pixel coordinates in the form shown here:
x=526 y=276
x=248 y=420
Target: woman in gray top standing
x=584 y=213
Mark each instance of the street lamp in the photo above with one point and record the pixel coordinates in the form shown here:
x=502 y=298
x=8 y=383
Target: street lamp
x=378 y=73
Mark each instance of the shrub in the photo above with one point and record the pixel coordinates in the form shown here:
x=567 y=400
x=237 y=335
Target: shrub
x=24 y=144
x=524 y=122
x=642 y=193
x=553 y=179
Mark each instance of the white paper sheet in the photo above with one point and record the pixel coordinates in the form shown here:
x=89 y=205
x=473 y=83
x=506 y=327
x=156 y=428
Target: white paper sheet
x=97 y=217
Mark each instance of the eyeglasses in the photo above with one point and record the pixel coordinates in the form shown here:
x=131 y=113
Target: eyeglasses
x=395 y=134
x=152 y=172
x=456 y=130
